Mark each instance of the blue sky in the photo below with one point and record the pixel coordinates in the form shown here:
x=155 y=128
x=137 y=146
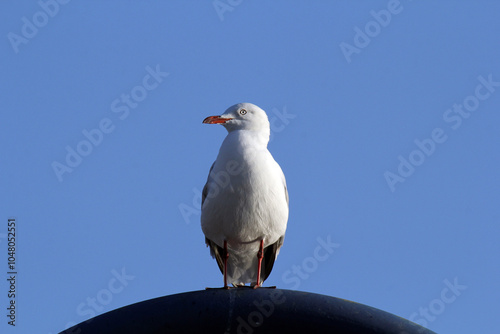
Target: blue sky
x=385 y=122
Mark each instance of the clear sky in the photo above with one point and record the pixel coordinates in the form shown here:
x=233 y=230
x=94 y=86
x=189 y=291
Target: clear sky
x=385 y=122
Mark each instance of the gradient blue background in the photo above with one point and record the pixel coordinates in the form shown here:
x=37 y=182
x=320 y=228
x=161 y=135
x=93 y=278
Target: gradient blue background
x=120 y=209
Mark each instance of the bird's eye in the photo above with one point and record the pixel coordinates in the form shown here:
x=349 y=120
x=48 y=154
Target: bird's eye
x=243 y=111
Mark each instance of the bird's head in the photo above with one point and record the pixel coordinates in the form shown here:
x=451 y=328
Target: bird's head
x=242 y=116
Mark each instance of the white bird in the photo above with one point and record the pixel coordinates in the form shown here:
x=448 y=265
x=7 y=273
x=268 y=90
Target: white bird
x=244 y=210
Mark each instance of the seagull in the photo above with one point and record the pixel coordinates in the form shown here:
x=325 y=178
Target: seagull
x=244 y=210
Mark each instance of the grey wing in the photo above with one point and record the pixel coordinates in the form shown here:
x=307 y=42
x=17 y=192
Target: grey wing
x=204 y=193
x=283 y=179
x=270 y=253
x=286 y=192
x=217 y=253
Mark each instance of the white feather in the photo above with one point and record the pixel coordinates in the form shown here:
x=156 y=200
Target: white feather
x=246 y=198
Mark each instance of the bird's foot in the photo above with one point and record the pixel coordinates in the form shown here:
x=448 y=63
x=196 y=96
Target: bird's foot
x=255 y=286
x=221 y=288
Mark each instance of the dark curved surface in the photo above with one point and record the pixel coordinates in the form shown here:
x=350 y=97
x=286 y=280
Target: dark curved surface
x=245 y=310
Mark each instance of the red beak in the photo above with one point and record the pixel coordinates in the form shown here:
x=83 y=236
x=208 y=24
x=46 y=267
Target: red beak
x=215 y=120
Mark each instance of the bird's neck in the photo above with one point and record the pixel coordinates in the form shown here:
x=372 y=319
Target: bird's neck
x=252 y=138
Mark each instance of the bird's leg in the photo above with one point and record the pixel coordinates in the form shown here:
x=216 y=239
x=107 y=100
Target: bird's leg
x=260 y=255
x=226 y=256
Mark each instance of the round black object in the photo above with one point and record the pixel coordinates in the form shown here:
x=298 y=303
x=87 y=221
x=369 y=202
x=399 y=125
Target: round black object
x=245 y=311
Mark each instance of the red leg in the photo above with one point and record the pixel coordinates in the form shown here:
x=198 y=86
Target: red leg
x=260 y=255
x=226 y=256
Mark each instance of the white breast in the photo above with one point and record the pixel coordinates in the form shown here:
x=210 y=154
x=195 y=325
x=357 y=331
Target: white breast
x=246 y=198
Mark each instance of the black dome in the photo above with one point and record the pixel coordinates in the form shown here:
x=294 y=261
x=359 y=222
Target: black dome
x=246 y=310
